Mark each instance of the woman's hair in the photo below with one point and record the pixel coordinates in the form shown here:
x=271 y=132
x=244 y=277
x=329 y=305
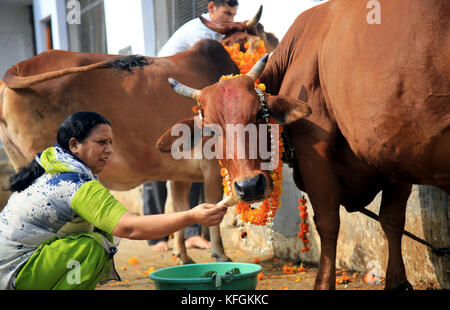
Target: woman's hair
x=78 y=125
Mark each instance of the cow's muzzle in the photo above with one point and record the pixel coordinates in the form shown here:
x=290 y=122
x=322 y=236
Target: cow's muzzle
x=251 y=189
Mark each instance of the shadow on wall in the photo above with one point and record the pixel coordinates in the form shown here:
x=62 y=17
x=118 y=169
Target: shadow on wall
x=435 y=212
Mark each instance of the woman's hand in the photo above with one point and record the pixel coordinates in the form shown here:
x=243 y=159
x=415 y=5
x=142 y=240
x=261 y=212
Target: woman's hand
x=208 y=214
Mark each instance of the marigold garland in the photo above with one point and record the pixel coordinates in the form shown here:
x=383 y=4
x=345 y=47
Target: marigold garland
x=245 y=60
x=304 y=227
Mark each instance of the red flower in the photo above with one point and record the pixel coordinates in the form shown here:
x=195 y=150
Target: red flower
x=304 y=227
x=302 y=208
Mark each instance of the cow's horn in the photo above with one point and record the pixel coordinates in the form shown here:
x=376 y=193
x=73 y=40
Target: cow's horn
x=255 y=20
x=211 y=25
x=184 y=90
x=258 y=68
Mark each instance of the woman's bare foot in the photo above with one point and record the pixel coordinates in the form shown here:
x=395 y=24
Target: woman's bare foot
x=161 y=246
x=197 y=242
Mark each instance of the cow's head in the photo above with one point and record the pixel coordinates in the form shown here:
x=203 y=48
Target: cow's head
x=231 y=105
x=250 y=32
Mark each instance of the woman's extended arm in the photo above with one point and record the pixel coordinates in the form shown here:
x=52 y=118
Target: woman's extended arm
x=149 y=227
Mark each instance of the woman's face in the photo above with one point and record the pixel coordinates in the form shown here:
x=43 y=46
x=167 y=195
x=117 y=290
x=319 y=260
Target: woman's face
x=96 y=149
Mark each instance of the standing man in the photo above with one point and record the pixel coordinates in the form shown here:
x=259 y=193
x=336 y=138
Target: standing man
x=155 y=192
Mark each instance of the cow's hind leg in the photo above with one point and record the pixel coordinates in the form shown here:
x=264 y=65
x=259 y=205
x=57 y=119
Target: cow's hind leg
x=180 y=199
x=392 y=219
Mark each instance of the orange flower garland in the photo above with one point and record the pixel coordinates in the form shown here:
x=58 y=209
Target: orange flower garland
x=244 y=60
x=304 y=227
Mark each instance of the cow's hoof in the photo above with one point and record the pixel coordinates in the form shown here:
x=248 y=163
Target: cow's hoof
x=221 y=258
x=183 y=259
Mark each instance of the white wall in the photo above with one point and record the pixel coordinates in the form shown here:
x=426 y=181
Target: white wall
x=130 y=23
x=56 y=10
x=16 y=36
x=277 y=15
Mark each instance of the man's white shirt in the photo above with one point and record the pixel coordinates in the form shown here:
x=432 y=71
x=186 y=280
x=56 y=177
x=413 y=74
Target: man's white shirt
x=187 y=35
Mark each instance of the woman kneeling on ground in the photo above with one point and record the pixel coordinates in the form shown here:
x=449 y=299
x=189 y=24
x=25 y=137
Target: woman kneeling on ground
x=56 y=232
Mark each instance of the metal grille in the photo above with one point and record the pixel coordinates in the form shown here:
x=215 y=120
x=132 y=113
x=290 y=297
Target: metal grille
x=172 y=14
x=181 y=11
x=90 y=35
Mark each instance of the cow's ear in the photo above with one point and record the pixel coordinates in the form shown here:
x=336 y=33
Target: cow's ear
x=164 y=143
x=287 y=110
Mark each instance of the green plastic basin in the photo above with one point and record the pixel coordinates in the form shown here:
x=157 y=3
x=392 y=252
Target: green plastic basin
x=188 y=277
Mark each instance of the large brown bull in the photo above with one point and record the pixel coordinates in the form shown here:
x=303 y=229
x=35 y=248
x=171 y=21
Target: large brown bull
x=371 y=113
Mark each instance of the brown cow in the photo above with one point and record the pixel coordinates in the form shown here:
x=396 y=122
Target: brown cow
x=379 y=96
x=40 y=92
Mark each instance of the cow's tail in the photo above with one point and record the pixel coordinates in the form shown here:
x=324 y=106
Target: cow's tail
x=14 y=81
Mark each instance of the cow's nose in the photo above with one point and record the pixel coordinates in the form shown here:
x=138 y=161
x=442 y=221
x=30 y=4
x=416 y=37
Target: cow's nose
x=251 y=189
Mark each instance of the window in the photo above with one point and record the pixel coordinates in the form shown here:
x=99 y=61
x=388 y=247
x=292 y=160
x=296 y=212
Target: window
x=172 y=14
x=90 y=34
x=181 y=11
